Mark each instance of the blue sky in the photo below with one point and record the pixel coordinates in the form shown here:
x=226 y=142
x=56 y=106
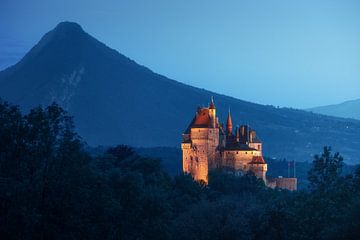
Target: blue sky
x=284 y=53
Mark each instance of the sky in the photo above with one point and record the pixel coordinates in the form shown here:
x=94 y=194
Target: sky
x=288 y=53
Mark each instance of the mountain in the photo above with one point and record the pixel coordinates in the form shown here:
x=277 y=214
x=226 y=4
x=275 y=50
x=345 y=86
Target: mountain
x=115 y=100
x=348 y=109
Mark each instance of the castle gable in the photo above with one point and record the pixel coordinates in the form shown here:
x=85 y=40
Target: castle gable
x=202 y=118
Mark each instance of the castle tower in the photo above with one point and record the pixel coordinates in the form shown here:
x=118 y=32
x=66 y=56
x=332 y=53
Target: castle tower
x=212 y=113
x=229 y=125
x=254 y=141
x=258 y=167
x=200 y=143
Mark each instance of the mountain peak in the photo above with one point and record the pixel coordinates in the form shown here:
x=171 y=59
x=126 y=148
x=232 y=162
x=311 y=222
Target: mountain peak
x=67 y=30
x=68 y=27
x=114 y=100
x=64 y=40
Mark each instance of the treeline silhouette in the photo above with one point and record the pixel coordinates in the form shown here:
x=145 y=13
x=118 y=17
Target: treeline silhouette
x=51 y=188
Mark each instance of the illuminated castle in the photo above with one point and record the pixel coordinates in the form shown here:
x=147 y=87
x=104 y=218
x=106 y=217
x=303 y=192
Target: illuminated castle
x=208 y=145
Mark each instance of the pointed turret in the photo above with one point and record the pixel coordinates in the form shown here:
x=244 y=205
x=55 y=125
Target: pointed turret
x=212 y=113
x=229 y=124
x=212 y=104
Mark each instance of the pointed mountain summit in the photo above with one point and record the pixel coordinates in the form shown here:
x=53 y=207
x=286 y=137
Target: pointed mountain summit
x=68 y=27
x=115 y=100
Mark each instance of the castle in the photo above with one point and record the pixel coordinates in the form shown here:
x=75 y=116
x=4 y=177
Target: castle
x=208 y=145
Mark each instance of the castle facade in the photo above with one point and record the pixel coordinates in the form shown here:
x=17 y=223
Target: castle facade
x=207 y=145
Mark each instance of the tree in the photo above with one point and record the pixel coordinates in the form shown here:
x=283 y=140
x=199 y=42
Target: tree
x=325 y=171
x=121 y=152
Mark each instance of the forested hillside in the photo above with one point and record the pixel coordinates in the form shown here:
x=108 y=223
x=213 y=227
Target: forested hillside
x=51 y=188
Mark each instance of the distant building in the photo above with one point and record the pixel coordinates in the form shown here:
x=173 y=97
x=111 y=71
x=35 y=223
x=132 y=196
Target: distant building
x=207 y=145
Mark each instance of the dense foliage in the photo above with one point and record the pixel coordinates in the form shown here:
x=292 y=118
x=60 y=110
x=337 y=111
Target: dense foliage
x=50 y=188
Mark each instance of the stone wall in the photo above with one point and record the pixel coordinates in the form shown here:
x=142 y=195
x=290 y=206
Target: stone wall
x=238 y=159
x=200 y=154
x=259 y=169
x=283 y=183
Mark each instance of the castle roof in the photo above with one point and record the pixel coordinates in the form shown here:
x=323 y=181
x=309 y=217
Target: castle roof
x=235 y=146
x=229 y=121
x=201 y=120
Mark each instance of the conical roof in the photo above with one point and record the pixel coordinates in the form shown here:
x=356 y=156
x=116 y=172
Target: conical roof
x=229 y=124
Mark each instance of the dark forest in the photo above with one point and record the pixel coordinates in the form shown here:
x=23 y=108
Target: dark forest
x=52 y=188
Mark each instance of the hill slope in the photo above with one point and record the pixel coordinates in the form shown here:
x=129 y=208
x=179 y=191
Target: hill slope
x=348 y=109
x=115 y=100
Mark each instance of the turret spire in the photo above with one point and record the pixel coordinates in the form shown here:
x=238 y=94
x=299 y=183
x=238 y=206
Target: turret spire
x=229 y=124
x=212 y=104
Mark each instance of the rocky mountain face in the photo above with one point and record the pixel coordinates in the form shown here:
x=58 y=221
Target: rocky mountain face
x=115 y=100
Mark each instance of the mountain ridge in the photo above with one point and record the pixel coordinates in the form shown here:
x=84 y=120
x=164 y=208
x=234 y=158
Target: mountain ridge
x=115 y=100
x=347 y=109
